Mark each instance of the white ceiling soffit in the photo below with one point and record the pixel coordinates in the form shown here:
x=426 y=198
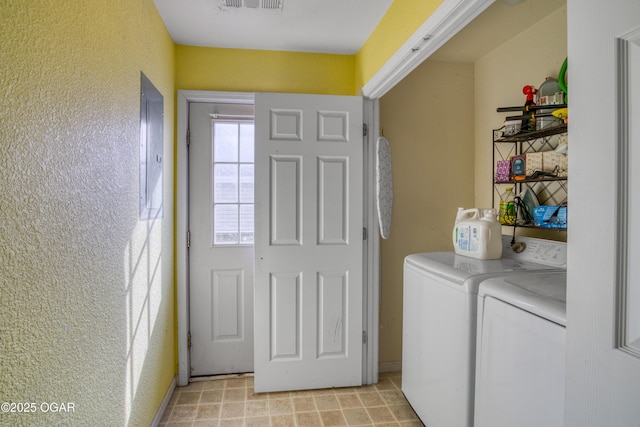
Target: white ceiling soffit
x=323 y=26
x=490 y=24
x=498 y=24
x=450 y=17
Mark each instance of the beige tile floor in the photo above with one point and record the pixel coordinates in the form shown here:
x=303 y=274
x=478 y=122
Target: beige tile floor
x=231 y=402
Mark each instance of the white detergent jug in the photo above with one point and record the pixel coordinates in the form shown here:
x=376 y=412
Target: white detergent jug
x=477 y=233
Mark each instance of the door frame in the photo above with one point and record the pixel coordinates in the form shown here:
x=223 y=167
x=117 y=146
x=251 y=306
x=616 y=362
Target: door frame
x=449 y=18
x=371 y=291
x=183 y=99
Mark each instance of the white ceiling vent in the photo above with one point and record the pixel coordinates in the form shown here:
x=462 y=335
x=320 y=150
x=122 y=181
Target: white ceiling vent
x=254 y=4
x=272 y=4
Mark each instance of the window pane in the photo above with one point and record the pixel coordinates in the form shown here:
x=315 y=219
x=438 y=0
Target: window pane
x=225 y=142
x=246 y=224
x=246 y=183
x=246 y=142
x=233 y=183
x=225 y=224
x=225 y=178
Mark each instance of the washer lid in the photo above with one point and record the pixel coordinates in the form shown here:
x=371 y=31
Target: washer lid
x=543 y=293
x=459 y=268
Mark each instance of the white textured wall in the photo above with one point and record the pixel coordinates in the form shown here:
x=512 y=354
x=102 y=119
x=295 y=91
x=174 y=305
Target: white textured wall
x=86 y=298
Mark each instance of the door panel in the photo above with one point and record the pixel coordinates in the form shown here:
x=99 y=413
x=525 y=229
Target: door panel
x=221 y=278
x=603 y=376
x=286 y=202
x=227 y=302
x=333 y=215
x=284 y=324
x=332 y=308
x=309 y=259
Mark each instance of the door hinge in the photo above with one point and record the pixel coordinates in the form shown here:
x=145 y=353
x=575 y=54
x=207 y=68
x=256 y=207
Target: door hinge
x=189 y=340
x=364 y=233
x=364 y=337
x=188 y=239
x=188 y=137
x=365 y=129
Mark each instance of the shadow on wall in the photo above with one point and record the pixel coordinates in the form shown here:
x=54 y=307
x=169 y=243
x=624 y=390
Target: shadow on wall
x=143 y=302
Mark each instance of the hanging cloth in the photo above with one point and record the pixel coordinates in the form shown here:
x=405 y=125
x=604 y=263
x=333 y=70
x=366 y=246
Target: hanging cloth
x=384 y=186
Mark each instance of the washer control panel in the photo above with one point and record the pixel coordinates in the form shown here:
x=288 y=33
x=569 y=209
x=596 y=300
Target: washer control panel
x=541 y=251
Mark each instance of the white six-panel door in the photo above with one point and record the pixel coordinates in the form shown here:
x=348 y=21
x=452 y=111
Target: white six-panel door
x=309 y=242
x=221 y=277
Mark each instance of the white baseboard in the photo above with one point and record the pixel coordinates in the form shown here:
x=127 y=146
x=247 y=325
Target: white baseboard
x=390 y=367
x=165 y=403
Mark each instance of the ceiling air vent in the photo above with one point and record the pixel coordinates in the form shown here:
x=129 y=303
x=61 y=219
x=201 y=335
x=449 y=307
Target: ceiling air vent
x=254 y=4
x=272 y=4
x=232 y=3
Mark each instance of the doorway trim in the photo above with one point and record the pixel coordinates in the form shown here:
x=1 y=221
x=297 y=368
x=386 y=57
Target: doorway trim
x=182 y=214
x=371 y=275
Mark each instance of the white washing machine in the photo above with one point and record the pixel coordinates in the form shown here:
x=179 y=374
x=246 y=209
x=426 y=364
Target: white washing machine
x=439 y=324
x=520 y=367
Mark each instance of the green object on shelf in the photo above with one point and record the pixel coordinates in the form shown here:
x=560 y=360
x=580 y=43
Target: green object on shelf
x=562 y=80
x=507 y=213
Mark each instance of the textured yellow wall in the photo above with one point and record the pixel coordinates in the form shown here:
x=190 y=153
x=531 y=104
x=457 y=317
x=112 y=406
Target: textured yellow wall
x=400 y=22
x=87 y=299
x=201 y=68
x=244 y=70
x=432 y=148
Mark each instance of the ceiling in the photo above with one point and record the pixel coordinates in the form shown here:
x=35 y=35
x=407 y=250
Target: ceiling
x=334 y=26
x=323 y=26
x=499 y=23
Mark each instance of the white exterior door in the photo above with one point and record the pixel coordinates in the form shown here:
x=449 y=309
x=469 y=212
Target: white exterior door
x=221 y=243
x=309 y=242
x=603 y=288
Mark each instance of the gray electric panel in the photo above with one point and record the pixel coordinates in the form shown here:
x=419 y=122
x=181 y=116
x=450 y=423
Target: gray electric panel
x=151 y=150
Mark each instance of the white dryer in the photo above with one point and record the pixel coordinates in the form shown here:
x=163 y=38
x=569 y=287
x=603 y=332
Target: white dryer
x=439 y=324
x=520 y=367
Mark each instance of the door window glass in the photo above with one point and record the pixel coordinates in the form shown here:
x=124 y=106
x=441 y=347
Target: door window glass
x=233 y=183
